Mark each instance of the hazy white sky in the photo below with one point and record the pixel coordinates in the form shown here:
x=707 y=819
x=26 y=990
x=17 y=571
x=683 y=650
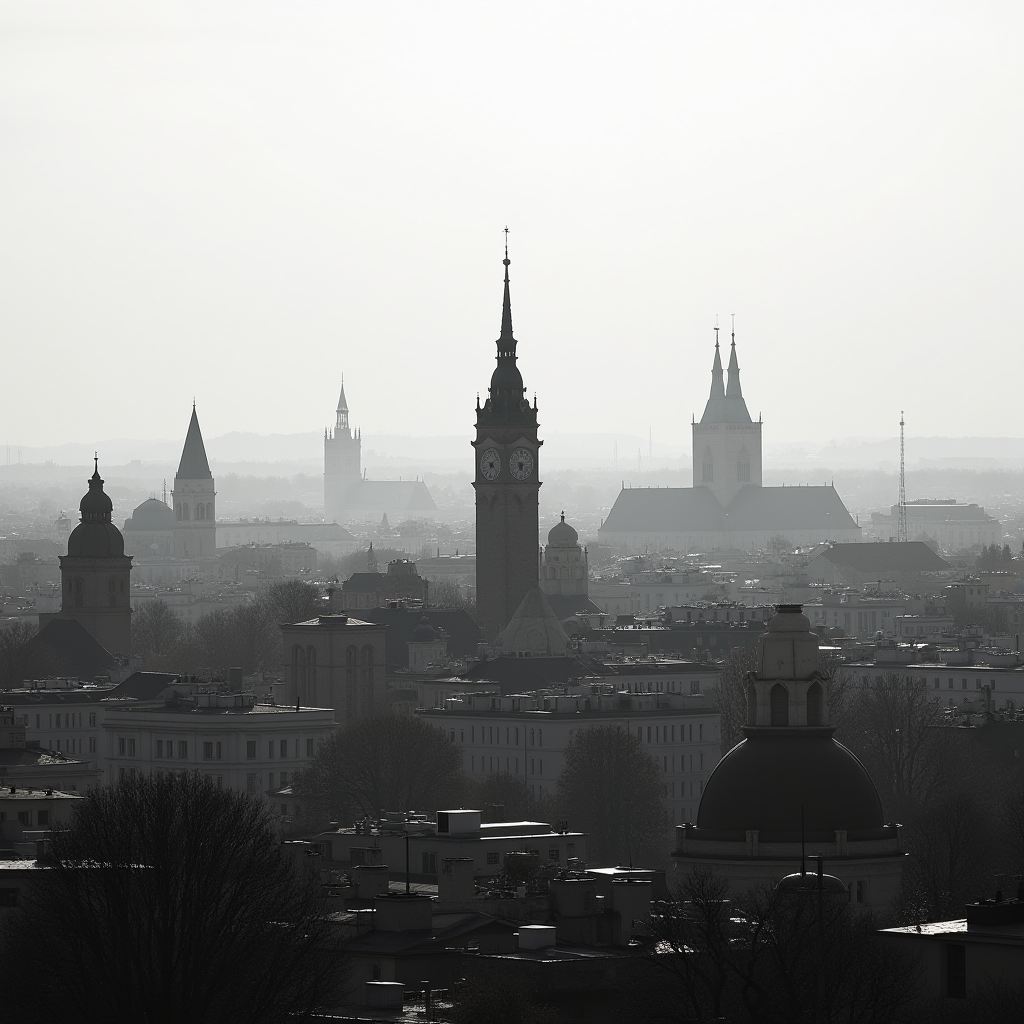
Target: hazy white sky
x=241 y=201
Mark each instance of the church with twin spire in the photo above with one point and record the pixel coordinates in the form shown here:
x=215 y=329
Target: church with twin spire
x=728 y=506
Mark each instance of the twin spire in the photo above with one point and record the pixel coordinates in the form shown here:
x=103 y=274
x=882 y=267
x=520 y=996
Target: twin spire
x=725 y=403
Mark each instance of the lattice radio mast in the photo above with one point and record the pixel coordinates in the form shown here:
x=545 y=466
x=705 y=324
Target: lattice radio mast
x=901 y=527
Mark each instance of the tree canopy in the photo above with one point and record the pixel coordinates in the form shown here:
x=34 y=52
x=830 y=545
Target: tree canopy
x=168 y=900
x=384 y=763
x=611 y=788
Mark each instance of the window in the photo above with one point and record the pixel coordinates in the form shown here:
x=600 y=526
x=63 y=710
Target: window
x=126 y=747
x=250 y=749
x=270 y=781
x=694 y=686
x=250 y=783
x=430 y=863
x=700 y=732
x=207 y=751
x=92 y=718
x=159 y=748
x=779 y=699
x=492 y=857
x=92 y=745
x=936 y=682
x=284 y=779
x=271 y=748
x=284 y=748
x=862 y=891
x=24 y=817
x=963 y=683
x=182 y=748
x=554 y=854
x=310 y=748
x=956 y=970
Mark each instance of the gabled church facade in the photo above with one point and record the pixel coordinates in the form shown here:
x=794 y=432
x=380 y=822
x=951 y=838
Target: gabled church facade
x=727 y=507
x=349 y=496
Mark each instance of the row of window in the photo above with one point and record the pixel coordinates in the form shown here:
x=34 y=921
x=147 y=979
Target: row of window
x=212 y=749
x=487 y=765
x=667 y=733
x=42 y=818
x=66 y=720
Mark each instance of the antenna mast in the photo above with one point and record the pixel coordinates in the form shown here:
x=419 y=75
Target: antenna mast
x=901 y=527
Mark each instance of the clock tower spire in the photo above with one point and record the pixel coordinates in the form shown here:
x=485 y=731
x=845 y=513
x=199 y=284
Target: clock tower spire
x=507 y=485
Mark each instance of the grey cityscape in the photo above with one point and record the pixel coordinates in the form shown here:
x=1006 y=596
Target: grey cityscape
x=511 y=514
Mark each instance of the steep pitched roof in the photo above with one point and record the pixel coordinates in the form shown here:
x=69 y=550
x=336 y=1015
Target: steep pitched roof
x=402 y=495
x=534 y=629
x=194 y=465
x=665 y=510
x=913 y=556
x=74 y=648
x=788 y=508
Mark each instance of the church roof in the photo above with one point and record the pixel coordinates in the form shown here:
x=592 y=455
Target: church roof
x=73 y=649
x=665 y=510
x=788 y=508
x=194 y=465
x=565 y=607
x=753 y=509
x=152 y=514
x=534 y=629
x=399 y=495
x=913 y=556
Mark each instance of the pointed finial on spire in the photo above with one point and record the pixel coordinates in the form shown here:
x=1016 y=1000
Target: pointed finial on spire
x=506 y=343
x=733 y=330
x=716 y=330
x=96 y=460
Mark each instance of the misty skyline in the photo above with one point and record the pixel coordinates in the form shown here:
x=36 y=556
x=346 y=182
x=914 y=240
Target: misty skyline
x=242 y=202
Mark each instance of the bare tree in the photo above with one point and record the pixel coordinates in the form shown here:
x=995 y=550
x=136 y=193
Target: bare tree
x=731 y=694
x=511 y=792
x=20 y=658
x=1012 y=822
x=389 y=762
x=168 y=900
x=892 y=725
x=155 y=631
x=294 y=600
x=611 y=788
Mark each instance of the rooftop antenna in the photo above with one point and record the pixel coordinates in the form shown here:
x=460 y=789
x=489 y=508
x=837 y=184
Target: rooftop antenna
x=733 y=328
x=165 y=491
x=716 y=330
x=901 y=525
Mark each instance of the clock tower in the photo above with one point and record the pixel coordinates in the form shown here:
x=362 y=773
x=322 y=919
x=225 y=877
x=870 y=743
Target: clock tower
x=507 y=487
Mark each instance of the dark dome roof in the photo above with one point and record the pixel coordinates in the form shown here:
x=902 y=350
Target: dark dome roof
x=763 y=782
x=562 y=535
x=95 y=536
x=95 y=540
x=152 y=514
x=424 y=632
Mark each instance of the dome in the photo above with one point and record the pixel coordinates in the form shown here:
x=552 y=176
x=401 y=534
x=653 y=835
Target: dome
x=152 y=514
x=764 y=781
x=562 y=535
x=95 y=536
x=424 y=633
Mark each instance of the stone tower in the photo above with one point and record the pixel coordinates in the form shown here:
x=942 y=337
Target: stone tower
x=342 y=461
x=194 y=499
x=95 y=574
x=726 y=442
x=564 y=570
x=507 y=487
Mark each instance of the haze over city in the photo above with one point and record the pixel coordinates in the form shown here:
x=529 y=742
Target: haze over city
x=511 y=514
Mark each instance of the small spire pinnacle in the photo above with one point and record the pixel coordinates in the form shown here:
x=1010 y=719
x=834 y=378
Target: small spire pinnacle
x=506 y=343
x=96 y=461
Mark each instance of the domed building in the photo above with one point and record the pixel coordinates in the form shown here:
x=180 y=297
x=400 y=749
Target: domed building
x=96 y=573
x=790 y=782
x=150 y=529
x=564 y=572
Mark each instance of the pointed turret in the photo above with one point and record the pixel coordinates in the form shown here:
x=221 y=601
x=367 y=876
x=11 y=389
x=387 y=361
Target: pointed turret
x=733 y=390
x=194 y=465
x=341 y=419
x=725 y=404
x=507 y=403
x=717 y=384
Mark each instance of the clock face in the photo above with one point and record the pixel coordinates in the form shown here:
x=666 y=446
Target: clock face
x=490 y=464
x=520 y=464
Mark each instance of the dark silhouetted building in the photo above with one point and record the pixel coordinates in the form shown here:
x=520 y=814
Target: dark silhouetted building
x=194 y=499
x=507 y=483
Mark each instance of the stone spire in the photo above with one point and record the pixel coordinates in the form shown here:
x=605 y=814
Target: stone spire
x=717 y=384
x=341 y=422
x=194 y=465
x=733 y=390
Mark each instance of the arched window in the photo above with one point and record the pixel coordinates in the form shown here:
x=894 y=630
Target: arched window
x=708 y=467
x=184 y=512
x=79 y=593
x=780 y=705
x=200 y=511
x=751 y=705
x=743 y=467
x=815 y=703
